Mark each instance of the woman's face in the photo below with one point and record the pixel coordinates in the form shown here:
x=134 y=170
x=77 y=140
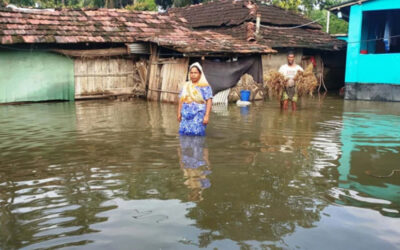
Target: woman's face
x=194 y=75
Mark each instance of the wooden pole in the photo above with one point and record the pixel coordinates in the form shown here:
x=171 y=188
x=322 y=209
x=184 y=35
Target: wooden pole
x=152 y=78
x=328 y=17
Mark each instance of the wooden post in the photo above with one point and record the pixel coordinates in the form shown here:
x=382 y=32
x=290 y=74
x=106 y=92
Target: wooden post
x=258 y=21
x=152 y=72
x=328 y=17
x=174 y=73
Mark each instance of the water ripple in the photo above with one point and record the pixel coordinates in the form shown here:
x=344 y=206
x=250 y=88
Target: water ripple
x=105 y=174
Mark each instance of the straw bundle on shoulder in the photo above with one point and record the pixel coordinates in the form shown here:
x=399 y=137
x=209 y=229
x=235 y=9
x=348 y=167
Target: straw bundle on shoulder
x=275 y=82
x=306 y=82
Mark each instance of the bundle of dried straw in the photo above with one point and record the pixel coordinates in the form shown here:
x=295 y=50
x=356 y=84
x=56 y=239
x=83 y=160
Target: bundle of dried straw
x=306 y=82
x=275 y=83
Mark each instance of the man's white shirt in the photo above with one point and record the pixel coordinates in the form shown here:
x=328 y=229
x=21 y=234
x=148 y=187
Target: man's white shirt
x=290 y=71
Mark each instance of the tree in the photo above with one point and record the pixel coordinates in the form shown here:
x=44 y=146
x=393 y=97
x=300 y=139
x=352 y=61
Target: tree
x=304 y=5
x=165 y=4
x=288 y=4
x=315 y=10
x=143 y=5
x=309 y=5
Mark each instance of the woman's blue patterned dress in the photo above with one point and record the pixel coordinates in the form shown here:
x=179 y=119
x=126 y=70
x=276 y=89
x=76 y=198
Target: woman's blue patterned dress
x=193 y=114
x=192 y=148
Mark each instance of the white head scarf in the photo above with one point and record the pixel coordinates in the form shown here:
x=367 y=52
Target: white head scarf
x=189 y=92
x=203 y=79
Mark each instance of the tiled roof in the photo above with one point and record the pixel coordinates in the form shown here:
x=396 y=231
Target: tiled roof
x=300 y=38
x=214 y=14
x=276 y=37
x=235 y=12
x=231 y=17
x=115 y=26
x=275 y=16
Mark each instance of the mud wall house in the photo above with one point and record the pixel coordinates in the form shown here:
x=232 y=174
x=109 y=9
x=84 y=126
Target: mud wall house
x=280 y=29
x=187 y=46
x=373 y=50
x=80 y=54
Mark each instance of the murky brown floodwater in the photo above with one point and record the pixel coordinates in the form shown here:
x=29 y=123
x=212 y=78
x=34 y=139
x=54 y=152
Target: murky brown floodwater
x=115 y=175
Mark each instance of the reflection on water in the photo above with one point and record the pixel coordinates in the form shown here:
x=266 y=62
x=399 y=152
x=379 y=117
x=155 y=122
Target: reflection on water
x=106 y=174
x=195 y=164
x=372 y=140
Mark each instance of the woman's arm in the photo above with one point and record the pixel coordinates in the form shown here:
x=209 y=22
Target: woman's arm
x=208 y=110
x=179 y=110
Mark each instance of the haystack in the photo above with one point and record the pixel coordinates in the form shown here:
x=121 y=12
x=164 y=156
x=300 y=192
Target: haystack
x=247 y=82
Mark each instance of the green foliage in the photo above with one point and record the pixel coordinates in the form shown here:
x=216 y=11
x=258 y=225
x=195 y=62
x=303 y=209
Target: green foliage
x=165 y=4
x=143 y=5
x=336 y=25
x=72 y=3
x=329 y=3
x=305 y=5
x=22 y=2
x=310 y=5
x=315 y=10
x=182 y=3
x=288 y=4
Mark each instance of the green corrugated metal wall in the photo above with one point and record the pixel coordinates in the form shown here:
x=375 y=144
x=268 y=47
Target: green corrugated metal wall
x=35 y=76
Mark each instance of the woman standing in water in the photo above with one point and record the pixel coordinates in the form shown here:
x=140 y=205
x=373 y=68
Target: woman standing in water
x=195 y=103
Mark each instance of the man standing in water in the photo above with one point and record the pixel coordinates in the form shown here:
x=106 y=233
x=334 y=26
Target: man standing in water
x=289 y=92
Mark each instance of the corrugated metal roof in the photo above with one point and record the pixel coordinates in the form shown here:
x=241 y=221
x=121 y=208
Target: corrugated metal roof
x=138 y=48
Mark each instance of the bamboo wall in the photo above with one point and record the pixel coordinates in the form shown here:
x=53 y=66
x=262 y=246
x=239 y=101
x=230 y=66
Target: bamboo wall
x=166 y=77
x=109 y=76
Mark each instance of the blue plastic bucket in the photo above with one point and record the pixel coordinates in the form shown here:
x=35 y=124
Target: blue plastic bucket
x=245 y=95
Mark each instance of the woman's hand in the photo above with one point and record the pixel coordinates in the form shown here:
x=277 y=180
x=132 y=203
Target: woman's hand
x=180 y=111
x=208 y=111
x=205 y=120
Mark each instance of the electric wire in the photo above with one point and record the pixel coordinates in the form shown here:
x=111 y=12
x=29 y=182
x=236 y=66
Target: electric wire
x=293 y=27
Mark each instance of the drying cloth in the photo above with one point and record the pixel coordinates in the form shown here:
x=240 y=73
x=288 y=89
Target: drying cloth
x=386 y=35
x=225 y=75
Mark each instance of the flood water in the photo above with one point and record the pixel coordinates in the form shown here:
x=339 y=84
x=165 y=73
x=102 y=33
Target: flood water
x=115 y=175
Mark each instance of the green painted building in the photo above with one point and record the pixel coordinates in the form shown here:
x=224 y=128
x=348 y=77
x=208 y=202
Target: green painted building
x=35 y=76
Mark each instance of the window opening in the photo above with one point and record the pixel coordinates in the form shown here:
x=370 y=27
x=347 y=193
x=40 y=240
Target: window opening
x=380 y=32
